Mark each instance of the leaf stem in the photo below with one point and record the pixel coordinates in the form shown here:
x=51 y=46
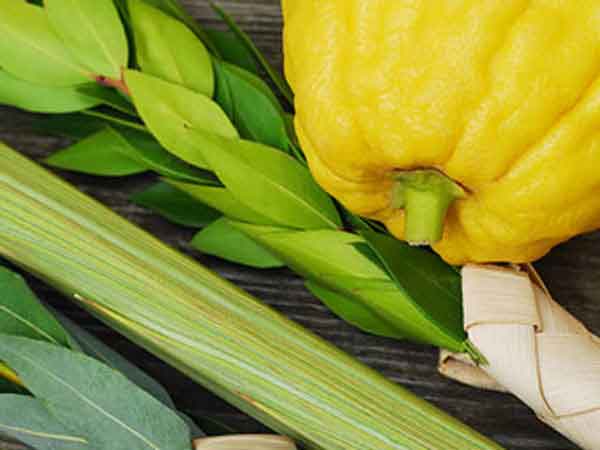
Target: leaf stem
x=118 y=84
x=9 y=375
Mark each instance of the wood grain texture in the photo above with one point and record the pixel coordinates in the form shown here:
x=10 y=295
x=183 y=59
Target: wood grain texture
x=571 y=272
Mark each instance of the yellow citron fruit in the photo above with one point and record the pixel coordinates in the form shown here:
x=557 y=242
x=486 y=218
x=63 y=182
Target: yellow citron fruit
x=500 y=96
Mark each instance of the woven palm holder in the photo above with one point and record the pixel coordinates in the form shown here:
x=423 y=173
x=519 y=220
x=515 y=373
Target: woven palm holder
x=535 y=349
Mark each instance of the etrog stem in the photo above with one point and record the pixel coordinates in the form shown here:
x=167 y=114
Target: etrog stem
x=426 y=196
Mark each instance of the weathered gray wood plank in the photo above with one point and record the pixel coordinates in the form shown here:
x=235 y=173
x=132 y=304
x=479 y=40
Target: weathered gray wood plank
x=571 y=272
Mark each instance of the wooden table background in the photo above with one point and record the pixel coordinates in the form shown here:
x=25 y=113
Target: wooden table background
x=571 y=272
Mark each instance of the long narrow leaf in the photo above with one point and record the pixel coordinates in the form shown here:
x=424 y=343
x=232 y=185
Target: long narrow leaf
x=21 y=313
x=95 y=348
x=107 y=409
x=26 y=419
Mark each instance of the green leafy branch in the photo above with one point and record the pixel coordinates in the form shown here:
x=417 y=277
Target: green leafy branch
x=197 y=113
x=67 y=390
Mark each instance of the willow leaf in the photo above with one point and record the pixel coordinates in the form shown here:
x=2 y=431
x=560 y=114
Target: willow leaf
x=282 y=189
x=245 y=40
x=354 y=311
x=27 y=420
x=105 y=407
x=95 y=348
x=103 y=154
x=222 y=200
x=31 y=50
x=171 y=112
x=176 y=205
x=167 y=49
x=227 y=242
x=93 y=32
x=43 y=99
x=22 y=314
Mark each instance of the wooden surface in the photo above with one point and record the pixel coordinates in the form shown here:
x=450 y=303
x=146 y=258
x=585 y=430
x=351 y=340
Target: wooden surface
x=571 y=272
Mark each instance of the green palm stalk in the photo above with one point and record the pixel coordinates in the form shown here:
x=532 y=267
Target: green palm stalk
x=217 y=334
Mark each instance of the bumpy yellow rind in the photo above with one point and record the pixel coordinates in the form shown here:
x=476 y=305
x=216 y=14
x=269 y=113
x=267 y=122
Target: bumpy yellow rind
x=502 y=96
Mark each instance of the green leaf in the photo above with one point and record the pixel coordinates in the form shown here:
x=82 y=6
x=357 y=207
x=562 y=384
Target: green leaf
x=227 y=242
x=100 y=154
x=43 y=99
x=176 y=206
x=316 y=253
x=76 y=126
x=92 y=346
x=174 y=9
x=105 y=407
x=232 y=50
x=144 y=149
x=166 y=48
x=221 y=200
x=433 y=285
x=22 y=314
x=281 y=189
x=27 y=420
x=223 y=94
x=93 y=32
x=257 y=113
x=172 y=111
x=113 y=117
x=30 y=50
x=353 y=311
x=109 y=97
x=245 y=40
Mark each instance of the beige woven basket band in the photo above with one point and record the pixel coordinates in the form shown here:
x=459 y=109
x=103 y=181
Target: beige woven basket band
x=535 y=349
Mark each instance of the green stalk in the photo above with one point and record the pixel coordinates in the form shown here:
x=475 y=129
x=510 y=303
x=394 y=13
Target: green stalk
x=261 y=362
x=425 y=196
x=7 y=374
